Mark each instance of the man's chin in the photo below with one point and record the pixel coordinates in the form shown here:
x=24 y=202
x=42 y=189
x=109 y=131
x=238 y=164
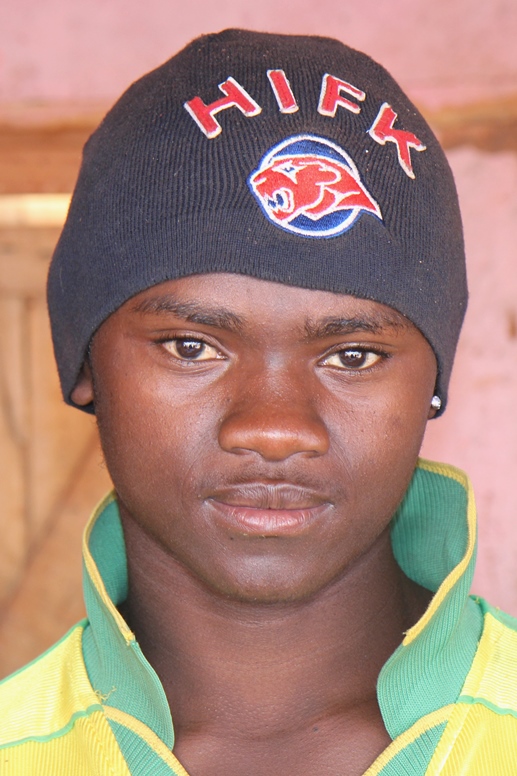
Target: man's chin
x=268 y=589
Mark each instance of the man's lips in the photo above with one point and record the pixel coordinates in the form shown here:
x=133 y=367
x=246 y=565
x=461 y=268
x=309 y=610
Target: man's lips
x=268 y=495
x=264 y=509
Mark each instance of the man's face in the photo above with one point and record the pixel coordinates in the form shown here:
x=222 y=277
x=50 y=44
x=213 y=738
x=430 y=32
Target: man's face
x=262 y=435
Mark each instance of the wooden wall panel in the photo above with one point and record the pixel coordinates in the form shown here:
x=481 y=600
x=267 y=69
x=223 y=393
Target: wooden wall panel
x=43 y=158
x=59 y=434
x=48 y=599
x=50 y=462
x=13 y=538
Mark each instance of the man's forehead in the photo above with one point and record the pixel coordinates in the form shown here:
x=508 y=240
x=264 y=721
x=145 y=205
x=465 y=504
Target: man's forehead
x=233 y=302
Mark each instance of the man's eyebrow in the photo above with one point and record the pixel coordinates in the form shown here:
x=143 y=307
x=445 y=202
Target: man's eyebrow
x=190 y=310
x=372 y=324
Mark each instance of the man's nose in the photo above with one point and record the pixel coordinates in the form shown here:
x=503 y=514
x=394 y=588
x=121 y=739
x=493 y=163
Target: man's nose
x=275 y=421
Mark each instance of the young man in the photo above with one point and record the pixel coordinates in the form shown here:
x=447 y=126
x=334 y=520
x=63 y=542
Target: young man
x=258 y=292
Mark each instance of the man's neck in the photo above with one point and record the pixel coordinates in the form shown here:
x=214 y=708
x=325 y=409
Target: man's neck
x=253 y=669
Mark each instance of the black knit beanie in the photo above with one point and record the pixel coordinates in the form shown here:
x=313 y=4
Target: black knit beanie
x=287 y=158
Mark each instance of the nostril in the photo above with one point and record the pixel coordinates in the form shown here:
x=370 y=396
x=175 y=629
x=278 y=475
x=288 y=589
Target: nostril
x=274 y=436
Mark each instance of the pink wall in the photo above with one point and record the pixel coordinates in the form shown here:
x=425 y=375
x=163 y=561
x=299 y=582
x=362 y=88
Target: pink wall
x=479 y=430
x=444 y=53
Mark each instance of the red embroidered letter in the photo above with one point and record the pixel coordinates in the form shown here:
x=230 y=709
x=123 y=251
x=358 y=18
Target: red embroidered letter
x=282 y=91
x=236 y=97
x=382 y=132
x=330 y=97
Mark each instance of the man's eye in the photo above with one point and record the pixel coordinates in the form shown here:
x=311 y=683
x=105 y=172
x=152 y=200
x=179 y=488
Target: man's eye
x=191 y=350
x=352 y=358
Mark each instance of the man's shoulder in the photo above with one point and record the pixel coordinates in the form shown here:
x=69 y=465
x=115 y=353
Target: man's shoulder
x=482 y=726
x=38 y=695
x=47 y=711
x=492 y=679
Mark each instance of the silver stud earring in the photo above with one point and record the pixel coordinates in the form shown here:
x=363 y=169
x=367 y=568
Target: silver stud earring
x=436 y=403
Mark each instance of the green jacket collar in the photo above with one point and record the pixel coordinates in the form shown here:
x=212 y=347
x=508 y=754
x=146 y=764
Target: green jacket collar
x=434 y=538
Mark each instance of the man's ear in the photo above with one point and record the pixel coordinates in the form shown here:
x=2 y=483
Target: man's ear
x=82 y=393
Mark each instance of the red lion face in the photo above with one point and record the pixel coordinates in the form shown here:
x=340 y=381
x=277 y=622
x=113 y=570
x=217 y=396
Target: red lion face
x=311 y=186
